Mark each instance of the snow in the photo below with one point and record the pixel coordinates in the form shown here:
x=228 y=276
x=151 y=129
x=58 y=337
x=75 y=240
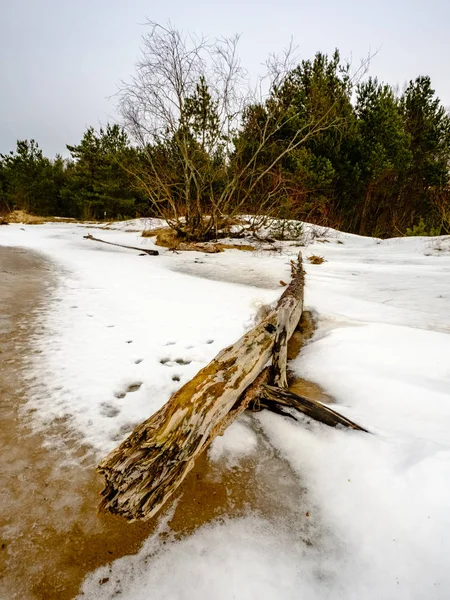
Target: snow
x=374 y=520
x=124 y=331
x=247 y=558
x=237 y=442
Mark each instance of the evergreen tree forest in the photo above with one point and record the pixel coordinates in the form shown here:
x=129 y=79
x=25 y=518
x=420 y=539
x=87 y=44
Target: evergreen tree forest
x=357 y=156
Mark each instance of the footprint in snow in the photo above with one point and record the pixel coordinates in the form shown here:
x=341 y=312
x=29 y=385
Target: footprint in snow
x=109 y=410
x=182 y=361
x=133 y=387
x=170 y=363
x=124 y=429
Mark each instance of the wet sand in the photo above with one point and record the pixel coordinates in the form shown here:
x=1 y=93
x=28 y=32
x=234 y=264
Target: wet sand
x=50 y=533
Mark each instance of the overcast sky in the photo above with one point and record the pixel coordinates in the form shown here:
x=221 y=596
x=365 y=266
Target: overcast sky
x=61 y=60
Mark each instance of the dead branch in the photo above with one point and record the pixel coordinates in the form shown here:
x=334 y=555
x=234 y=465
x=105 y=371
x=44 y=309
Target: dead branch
x=146 y=250
x=278 y=400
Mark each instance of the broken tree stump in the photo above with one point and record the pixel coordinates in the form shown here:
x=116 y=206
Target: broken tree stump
x=145 y=470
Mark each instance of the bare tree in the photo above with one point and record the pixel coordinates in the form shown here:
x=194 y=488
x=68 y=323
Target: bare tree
x=184 y=107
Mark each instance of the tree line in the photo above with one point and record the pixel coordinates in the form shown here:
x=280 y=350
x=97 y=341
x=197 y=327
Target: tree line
x=195 y=148
x=91 y=184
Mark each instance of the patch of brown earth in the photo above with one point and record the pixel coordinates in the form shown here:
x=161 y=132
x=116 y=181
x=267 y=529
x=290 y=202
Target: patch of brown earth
x=298 y=385
x=50 y=533
x=301 y=335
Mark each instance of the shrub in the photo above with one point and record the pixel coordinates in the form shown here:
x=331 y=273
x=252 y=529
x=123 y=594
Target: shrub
x=286 y=229
x=421 y=229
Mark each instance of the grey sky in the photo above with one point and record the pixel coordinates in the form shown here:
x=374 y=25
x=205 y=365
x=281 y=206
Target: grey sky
x=61 y=59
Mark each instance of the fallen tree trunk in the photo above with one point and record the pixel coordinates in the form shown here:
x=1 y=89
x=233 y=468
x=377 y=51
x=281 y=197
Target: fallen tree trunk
x=145 y=470
x=146 y=250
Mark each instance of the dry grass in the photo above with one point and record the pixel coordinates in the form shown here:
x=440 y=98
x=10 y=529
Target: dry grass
x=316 y=260
x=150 y=232
x=165 y=237
x=64 y=220
x=21 y=216
x=245 y=247
x=168 y=238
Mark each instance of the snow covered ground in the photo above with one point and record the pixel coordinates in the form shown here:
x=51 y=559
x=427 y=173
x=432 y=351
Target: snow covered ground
x=123 y=331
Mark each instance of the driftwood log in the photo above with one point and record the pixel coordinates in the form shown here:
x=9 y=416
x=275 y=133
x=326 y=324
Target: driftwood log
x=146 y=469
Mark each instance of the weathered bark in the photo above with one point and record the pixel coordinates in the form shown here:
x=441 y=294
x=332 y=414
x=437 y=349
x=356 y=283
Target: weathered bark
x=145 y=470
x=278 y=400
x=146 y=250
x=287 y=311
x=246 y=400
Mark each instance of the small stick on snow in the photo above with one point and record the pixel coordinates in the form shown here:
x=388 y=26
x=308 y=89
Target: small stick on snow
x=146 y=250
